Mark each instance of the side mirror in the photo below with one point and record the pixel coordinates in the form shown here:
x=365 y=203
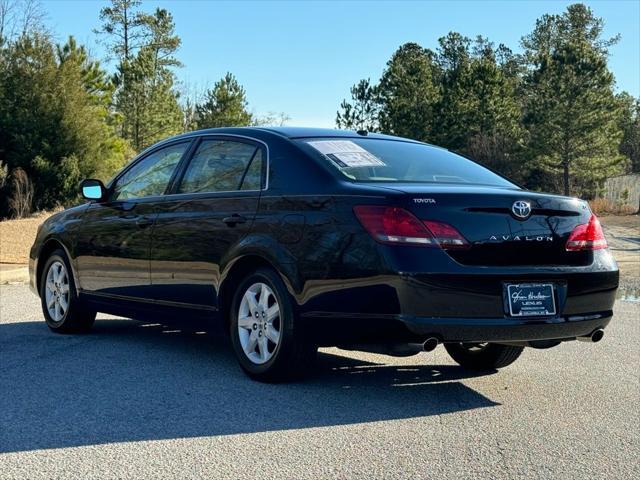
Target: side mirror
x=93 y=189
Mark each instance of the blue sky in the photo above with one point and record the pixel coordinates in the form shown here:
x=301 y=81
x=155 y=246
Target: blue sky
x=301 y=58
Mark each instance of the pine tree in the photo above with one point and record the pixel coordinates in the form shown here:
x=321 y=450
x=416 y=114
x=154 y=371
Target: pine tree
x=408 y=93
x=630 y=125
x=145 y=46
x=363 y=113
x=571 y=112
x=124 y=27
x=55 y=121
x=455 y=105
x=493 y=119
x=148 y=100
x=225 y=105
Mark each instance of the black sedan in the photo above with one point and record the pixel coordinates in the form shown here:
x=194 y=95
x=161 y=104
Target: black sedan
x=298 y=238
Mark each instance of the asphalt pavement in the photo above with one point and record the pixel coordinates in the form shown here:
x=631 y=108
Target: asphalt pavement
x=133 y=400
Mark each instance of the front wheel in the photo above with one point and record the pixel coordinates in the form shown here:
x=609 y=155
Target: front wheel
x=63 y=310
x=268 y=343
x=483 y=356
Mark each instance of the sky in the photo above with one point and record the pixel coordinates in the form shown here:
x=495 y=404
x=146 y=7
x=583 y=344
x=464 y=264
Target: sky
x=301 y=58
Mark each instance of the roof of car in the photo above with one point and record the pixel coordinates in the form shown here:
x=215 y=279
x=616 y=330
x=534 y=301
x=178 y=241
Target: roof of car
x=293 y=132
x=308 y=132
x=285 y=132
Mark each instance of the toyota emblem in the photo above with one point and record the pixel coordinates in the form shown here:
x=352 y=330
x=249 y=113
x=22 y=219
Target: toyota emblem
x=521 y=209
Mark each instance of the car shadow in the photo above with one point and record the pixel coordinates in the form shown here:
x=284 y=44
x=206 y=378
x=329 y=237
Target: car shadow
x=129 y=381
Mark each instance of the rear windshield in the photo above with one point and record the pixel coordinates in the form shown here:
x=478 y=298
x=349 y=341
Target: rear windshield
x=374 y=160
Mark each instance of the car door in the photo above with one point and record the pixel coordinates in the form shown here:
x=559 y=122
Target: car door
x=211 y=209
x=112 y=247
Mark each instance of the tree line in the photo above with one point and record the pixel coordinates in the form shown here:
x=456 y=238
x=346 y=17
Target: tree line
x=548 y=117
x=65 y=117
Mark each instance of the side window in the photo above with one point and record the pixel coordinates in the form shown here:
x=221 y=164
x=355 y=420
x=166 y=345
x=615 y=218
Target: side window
x=253 y=177
x=220 y=166
x=150 y=176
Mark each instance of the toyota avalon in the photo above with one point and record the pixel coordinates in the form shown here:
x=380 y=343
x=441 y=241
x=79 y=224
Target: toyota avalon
x=293 y=239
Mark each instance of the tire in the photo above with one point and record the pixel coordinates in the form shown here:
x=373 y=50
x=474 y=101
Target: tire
x=262 y=354
x=483 y=356
x=57 y=289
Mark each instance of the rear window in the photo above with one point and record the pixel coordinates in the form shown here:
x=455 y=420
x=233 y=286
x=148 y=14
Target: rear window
x=373 y=160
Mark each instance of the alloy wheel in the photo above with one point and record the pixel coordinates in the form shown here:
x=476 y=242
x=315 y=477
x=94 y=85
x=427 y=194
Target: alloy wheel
x=57 y=293
x=259 y=325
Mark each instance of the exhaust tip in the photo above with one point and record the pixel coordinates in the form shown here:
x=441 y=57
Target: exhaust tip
x=597 y=335
x=594 y=337
x=430 y=344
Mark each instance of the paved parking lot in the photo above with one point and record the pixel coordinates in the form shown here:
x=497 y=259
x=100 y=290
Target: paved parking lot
x=136 y=401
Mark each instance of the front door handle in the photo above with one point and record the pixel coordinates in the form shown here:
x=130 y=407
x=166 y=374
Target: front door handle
x=234 y=219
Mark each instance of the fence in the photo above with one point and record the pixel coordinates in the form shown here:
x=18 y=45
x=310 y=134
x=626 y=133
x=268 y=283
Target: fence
x=623 y=190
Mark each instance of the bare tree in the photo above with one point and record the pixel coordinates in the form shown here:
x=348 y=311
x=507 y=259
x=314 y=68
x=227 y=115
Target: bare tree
x=191 y=94
x=272 y=119
x=21 y=199
x=31 y=16
x=20 y=17
x=7 y=19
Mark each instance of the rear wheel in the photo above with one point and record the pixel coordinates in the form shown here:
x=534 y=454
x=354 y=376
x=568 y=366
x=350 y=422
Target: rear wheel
x=63 y=310
x=268 y=343
x=483 y=356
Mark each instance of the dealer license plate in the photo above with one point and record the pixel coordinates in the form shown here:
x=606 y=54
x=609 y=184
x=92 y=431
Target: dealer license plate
x=531 y=299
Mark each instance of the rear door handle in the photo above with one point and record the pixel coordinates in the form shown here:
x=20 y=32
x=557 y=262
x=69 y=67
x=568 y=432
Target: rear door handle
x=234 y=220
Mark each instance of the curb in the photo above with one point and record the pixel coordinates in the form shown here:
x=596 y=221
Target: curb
x=14 y=274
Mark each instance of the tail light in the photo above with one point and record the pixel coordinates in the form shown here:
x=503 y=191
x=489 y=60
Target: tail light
x=446 y=236
x=395 y=225
x=587 y=236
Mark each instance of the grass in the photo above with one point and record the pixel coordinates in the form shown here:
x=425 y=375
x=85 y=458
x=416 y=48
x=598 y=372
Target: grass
x=602 y=206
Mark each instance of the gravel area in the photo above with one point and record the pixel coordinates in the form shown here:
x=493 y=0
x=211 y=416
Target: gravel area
x=623 y=236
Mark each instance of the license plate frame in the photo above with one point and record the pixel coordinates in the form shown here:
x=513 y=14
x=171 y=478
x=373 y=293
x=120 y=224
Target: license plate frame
x=531 y=299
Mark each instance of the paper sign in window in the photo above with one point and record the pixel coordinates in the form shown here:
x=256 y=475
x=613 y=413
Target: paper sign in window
x=347 y=154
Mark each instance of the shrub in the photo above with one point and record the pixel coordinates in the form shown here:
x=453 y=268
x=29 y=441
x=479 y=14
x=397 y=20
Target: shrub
x=21 y=194
x=601 y=206
x=4 y=174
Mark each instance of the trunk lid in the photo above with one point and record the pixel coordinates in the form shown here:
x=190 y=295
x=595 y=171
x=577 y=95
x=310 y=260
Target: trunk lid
x=501 y=231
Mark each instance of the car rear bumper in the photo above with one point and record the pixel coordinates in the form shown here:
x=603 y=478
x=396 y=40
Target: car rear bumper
x=506 y=329
x=468 y=305
x=343 y=328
